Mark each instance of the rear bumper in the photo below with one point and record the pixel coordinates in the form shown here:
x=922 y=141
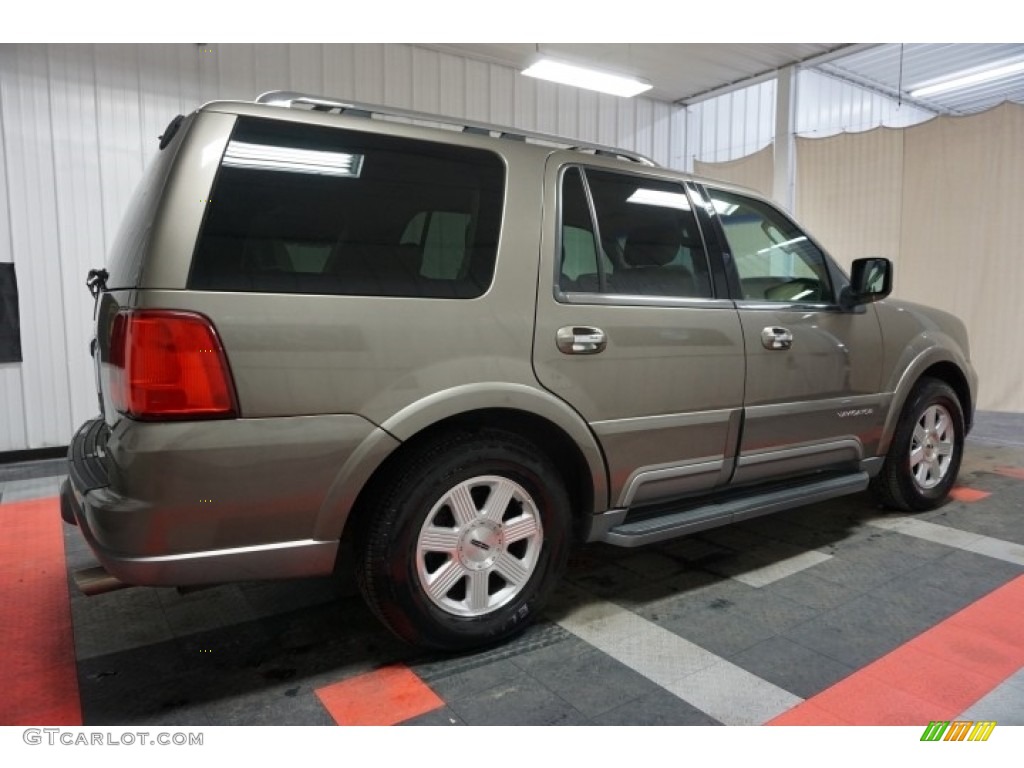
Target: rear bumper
x=191 y=504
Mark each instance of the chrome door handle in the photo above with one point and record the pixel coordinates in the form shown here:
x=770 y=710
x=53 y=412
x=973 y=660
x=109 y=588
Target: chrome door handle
x=774 y=337
x=580 y=340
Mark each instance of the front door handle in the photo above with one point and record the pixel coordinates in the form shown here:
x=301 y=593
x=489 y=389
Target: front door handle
x=580 y=340
x=774 y=337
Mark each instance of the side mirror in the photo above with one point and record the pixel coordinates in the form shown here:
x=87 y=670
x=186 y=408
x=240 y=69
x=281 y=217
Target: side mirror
x=870 y=280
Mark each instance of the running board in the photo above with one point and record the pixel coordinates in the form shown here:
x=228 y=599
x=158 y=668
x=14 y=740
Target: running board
x=731 y=510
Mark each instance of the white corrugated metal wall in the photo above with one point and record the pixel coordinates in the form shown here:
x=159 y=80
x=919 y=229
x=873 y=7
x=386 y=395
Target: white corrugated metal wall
x=826 y=105
x=732 y=125
x=79 y=122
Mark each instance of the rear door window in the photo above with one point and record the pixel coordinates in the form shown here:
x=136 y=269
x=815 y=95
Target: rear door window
x=308 y=209
x=646 y=241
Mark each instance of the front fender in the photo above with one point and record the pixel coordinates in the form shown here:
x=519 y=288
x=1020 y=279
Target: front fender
x=923 y=352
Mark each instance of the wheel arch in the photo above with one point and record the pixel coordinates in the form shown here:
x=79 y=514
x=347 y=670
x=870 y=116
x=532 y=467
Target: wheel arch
x=539 y=417
x=936 y=363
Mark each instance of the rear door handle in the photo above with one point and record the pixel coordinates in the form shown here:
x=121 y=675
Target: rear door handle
x=580 y=340
x=774 y=337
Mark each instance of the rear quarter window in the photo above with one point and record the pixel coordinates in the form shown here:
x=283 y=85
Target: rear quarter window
x=309 y=209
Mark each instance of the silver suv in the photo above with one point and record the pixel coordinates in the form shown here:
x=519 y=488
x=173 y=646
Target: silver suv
x=465 y=351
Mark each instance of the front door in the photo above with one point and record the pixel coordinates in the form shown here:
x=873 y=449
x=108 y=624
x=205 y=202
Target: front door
x=813 y=376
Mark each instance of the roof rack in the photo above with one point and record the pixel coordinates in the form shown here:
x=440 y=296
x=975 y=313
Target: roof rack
x=327 y=104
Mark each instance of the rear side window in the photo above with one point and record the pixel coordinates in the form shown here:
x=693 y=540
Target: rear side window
x=308 y=209
x=646 y=242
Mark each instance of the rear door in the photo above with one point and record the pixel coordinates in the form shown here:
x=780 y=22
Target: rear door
x=813 y=369
x=632 y=330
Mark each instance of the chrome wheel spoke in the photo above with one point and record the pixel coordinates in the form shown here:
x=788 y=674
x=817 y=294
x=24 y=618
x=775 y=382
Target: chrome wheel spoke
x=519 y=528
x=511 y=569
x=477 y=597
x=944 y=449
x=920 y=435
x=462 y=505
x=446 y=577
x=498 y=500
x=916 y=456
x=436 y=539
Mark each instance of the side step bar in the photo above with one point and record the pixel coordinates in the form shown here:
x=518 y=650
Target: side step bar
x=672 y=524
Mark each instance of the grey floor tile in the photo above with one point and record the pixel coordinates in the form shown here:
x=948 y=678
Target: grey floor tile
x=912 y=596
x=1005 y=705
x=814 y=592
x=468 y=682
x=608 y=580
x=591 y=681
x=521 y=701
x=967 y=573
x=725 y=634
x=25 y=490
x=439 y=716
x=29 y=470
x=651 y=564
x=656 y=708
x=118 y=621
x=663 y=595
x=860 y=631
x=857 y=575
x=771 y=608
x=205 y=609
x=792 y=666
x=889 y=546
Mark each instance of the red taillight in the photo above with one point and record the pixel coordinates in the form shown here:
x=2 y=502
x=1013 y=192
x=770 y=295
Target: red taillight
x=169 y=365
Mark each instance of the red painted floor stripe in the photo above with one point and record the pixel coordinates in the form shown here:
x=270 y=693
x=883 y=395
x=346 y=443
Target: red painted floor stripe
x=935 y=676
x=962 y=493
x=386 y=696
x=1017 y=472
x=38 y=676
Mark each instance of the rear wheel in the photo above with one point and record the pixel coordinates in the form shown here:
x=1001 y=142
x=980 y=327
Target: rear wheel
x=926 y=450
x=462 y=546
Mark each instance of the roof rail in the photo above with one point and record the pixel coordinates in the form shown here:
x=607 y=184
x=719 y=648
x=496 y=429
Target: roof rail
x=355 y=109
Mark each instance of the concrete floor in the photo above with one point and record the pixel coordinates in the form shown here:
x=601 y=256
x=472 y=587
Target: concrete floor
x=734 y=626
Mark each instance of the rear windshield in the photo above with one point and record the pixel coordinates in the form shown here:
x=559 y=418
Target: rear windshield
x=125 y=261
x=307 y=209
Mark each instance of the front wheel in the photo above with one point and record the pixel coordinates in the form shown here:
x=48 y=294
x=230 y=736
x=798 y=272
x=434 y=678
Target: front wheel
x=463 y=544
x=927 y=447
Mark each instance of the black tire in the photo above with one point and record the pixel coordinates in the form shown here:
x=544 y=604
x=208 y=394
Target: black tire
x=393 y=571
x=898 y=485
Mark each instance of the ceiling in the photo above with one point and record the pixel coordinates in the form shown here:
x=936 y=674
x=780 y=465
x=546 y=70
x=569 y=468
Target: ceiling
x=687 y=71
x=925 y=63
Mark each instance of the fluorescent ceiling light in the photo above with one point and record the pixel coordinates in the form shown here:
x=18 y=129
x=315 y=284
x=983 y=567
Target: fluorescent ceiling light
x=993 y=73
x=263 y=157
x=660 y=198
x=582 y=77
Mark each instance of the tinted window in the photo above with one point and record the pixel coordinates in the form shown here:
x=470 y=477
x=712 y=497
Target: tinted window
x=775 y=260
x=649 y=241
x=307 y=209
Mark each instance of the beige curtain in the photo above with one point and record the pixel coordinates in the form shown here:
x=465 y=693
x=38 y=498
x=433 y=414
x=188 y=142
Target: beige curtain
x=849 y=190
x=945 y=200
x=755 y=171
